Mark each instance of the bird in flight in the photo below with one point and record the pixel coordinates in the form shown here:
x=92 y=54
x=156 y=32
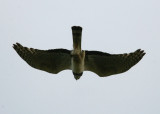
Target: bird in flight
x=78 y=60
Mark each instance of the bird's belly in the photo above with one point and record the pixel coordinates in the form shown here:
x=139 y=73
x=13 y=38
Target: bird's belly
x=77 y=65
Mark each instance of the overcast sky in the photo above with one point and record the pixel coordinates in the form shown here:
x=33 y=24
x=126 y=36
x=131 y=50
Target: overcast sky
x=117 y=26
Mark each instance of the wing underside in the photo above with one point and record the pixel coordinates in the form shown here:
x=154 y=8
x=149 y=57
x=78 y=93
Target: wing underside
x=52 y=61
x=105 y=64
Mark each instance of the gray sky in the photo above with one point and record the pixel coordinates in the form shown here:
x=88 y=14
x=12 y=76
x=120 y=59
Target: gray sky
x=116 y=26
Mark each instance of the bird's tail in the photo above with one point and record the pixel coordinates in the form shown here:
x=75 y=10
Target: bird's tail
x=77 y=33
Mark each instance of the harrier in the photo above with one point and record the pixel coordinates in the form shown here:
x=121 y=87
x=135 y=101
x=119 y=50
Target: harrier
x=78 y=60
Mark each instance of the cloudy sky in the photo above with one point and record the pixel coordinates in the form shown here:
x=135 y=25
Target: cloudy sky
x=116 y=26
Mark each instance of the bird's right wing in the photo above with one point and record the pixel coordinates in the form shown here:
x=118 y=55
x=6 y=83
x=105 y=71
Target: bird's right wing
x=105 y=64
x=52 y=61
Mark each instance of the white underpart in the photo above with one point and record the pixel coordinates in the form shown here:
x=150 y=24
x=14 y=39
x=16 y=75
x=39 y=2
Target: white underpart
x=77 y=61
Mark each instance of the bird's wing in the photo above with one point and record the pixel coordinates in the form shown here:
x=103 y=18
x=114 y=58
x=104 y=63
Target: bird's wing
x=105 y=64
x=52 y=61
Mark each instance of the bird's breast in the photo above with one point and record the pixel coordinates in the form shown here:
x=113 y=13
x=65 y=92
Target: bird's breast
x=77 y=63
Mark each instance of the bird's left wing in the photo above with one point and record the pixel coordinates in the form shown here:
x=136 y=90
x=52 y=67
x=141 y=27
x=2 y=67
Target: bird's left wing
x=52 y=61
x=105 y=64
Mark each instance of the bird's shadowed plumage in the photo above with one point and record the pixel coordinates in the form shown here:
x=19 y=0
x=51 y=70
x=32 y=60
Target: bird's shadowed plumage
x=77 y=60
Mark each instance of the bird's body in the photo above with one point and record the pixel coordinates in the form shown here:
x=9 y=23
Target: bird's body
x=77 y=60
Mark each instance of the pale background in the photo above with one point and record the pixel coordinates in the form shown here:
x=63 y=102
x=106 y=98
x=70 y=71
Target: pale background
x=116 y=26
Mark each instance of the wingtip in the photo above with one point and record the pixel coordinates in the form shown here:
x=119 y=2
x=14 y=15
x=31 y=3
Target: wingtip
x=14 y=46
x=143 y=54
x=140 y=50
x=17 y=45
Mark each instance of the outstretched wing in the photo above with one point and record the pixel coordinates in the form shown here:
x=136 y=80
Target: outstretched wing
x=105 y=64
x=52 y=61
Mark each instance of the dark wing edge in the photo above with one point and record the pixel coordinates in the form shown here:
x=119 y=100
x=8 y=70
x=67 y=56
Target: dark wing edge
x=52 y=61
x=105 y=64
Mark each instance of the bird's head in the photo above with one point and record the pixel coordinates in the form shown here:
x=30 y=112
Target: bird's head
x=77 y=75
